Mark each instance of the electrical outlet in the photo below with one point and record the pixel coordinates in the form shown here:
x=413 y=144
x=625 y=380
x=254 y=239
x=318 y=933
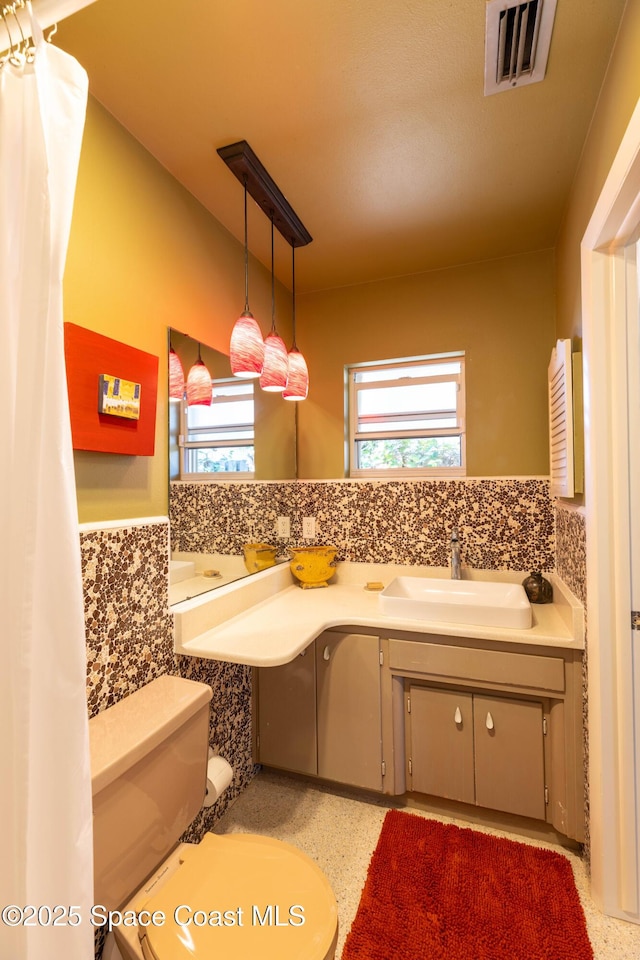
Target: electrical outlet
x=283 y=527
x=308 y=528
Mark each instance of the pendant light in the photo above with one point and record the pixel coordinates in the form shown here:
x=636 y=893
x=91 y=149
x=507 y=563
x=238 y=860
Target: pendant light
x=199 y=386
x=176 y=376
x=247 y=346
x=297 y=386
x=274 y=371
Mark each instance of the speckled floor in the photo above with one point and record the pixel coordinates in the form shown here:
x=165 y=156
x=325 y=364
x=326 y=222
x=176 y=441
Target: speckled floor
x=339 y=829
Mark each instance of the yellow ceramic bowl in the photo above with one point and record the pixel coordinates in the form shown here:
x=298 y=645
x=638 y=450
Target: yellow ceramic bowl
x=258 y=556
x=313 y=566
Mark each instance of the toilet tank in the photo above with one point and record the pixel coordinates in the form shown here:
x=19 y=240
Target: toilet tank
x=148 y=775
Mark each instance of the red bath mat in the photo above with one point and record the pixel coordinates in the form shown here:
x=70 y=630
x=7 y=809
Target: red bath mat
x=438 y=892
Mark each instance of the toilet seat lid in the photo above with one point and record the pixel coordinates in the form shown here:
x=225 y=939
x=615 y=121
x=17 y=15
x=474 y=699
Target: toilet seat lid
x=242 y=896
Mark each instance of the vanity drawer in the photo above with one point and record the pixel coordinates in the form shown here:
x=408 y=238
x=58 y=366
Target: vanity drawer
x=489 y=666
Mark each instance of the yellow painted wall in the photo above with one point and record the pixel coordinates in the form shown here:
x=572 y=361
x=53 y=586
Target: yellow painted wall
x=618 y=99
x=500 y=312
x=144 y=255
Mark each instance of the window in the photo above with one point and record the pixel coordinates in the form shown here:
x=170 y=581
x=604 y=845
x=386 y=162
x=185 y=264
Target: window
x=219 y=439
x=407 y=416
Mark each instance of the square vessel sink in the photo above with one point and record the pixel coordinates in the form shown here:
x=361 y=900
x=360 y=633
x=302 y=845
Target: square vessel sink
x=484 y=603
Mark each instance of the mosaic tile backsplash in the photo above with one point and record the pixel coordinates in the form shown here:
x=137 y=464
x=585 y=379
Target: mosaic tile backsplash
x=502 y=523
x=129 y=633
x=571 y=550
x=128 y=625
x=571 y=566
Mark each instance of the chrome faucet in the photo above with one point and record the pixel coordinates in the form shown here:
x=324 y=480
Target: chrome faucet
x=455 y=555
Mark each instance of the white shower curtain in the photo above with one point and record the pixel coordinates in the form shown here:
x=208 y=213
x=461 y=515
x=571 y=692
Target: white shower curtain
x=45 y=789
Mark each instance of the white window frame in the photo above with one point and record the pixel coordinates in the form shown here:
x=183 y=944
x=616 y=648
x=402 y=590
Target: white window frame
x=186 y=445
x=352 y=416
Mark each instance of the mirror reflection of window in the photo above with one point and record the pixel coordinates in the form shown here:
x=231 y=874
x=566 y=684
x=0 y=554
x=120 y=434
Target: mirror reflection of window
x=218 y=440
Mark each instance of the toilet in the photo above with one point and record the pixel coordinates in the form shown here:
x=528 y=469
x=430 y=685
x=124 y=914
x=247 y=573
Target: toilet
x=233 y=897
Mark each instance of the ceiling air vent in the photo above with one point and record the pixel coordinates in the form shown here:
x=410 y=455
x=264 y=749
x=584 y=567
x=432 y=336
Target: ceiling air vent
x=518 y=36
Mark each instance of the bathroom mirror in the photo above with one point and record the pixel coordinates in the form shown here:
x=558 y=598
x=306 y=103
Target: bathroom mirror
x=270 y=454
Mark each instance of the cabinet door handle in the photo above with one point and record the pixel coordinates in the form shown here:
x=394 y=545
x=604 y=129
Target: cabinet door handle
x=489 y=721
x=303 y=653
x=327 y=653
x=457 y=716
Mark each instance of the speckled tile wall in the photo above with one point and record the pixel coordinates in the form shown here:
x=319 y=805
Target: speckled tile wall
x=503 y=523
x=571 y=566
x=129 y=629
x=128 y=625
x=571 y=549
x=129 y=634
x=230 y=732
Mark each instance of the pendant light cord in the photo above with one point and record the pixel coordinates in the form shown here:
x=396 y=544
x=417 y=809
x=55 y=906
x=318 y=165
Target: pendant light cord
x=294 y=346
x=246 y=252
x=273 y=284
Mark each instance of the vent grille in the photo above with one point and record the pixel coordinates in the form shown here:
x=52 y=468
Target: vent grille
x=518 y=37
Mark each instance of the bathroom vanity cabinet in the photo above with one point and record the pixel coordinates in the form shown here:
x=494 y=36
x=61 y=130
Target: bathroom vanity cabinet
x=477 y=749
x=285 y=710
x=321 y=713
x=496 y=725
x=349 y=709
x=366 y=697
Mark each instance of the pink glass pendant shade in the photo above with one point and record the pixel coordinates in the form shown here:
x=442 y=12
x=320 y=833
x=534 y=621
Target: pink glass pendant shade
x=297 y=386
x=247 y=348
x=176 y=376
x=298 y=380
x=276 y=359
x=199 y=387
x=246 y=351
x=276 y=364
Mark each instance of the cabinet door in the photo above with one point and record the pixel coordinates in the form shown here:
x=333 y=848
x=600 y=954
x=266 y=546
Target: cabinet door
x=441 y=743
x=287 y=714
x=349 y=715
x=509 y=754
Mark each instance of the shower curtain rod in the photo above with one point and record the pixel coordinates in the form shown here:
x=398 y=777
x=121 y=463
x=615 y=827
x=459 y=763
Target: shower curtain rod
x=47 y=13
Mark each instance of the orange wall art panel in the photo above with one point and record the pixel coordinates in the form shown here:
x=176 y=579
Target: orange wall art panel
x=104 y=374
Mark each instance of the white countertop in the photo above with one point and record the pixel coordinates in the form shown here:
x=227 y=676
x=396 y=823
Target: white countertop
x=267 y=620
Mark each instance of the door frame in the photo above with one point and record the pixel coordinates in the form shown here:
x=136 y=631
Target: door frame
x=614 y=779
